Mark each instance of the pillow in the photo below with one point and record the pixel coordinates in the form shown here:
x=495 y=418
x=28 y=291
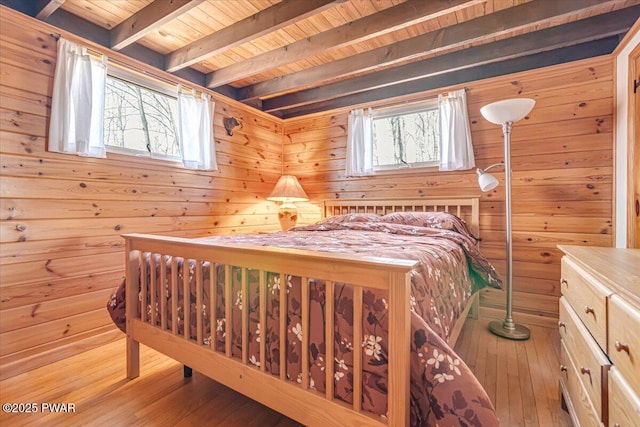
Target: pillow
x=442 y=220
x=352 y=217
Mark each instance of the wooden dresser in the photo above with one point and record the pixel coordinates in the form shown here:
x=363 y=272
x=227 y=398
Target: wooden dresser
x=600 y=329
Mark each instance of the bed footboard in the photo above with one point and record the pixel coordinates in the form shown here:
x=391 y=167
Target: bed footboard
x=161 y=330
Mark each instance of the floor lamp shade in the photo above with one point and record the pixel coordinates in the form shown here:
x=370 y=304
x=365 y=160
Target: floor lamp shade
x=287 y=191
x=505 y=113
x=509 y=110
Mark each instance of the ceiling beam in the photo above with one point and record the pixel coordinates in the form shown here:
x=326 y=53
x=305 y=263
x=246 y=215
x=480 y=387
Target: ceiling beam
x=392 y=19
x=44 y=8
x=79 y=26
x=263 y=22
x=23 y=6
x=90 y=31
x=148 y=19
x=594 y=28
x=475 y=30
x=443 y=81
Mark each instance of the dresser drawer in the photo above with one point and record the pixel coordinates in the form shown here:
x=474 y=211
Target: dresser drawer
x=575 y=395
x=624 y=404
x=590 y=361
x=624 y=340
x=588 y=298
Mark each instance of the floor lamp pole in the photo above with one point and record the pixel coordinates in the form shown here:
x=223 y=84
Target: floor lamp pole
x=508 y=328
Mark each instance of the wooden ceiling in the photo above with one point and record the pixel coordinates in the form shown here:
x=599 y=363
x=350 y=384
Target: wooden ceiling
x=295 y=57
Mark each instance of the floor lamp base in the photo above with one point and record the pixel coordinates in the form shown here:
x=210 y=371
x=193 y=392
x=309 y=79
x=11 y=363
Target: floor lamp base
x=519 y=332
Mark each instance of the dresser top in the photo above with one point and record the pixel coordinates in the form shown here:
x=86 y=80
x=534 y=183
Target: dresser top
x=618 y=269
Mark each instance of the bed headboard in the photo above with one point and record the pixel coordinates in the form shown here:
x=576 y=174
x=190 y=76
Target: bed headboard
x=467 y=208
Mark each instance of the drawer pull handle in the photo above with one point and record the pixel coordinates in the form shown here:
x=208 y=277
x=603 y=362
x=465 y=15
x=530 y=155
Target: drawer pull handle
x=622 y=347
x=564 y=282
x=563 y=368
x=561 y=324
x=588 y=310
x=586 y=371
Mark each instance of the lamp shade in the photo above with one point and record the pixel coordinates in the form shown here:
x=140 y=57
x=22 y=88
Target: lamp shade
x=509 y=110
x=288 y=190
x=486 y=181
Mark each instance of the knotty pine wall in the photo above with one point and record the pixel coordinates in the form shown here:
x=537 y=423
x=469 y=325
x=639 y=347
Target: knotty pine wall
x=62 y=215
x=562 y=173
x=61 y=254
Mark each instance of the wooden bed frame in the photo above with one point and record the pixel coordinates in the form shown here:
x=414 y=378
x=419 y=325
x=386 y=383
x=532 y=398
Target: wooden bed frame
x=276 y=392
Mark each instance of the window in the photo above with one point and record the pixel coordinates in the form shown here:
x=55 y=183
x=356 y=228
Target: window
x=407 y=136
x=140 y=116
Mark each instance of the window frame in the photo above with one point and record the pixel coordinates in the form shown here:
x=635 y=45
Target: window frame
x=152 y=84
x=404 y=109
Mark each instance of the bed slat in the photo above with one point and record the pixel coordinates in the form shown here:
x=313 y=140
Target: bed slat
x=186 y=300
x=163 y=292
x=357 y=348
x=329 y=339
x=199 y=326
x=213 y=304
x=283 y=326
x=244 y=312
x=264 y=290
x=174 y=295
x=152 y=289
x=228 y=321
x=304 y=310
x=143 y=292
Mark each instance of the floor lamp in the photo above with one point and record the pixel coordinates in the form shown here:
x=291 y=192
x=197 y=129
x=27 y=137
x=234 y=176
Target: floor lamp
x=506 y=113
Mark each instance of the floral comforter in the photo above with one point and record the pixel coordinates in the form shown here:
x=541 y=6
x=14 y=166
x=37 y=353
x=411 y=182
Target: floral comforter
x=450 y=269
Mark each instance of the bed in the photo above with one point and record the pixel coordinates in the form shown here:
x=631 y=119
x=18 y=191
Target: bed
x=335 y=292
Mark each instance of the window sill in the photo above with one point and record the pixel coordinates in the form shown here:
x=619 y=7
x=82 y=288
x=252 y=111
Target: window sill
x=406 y=171
x=126 y=157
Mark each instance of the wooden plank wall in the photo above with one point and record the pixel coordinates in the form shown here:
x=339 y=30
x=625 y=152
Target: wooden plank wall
x=62 y=215
x=562 y=172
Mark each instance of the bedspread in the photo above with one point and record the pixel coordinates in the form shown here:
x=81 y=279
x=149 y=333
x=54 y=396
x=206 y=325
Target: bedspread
x=450 y=268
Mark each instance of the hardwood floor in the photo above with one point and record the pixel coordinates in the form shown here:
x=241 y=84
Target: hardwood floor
x=520 y=377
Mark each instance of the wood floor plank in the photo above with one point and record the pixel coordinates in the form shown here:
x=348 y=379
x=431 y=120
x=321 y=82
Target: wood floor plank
x=520 y=378
x=502 y=383
x=516 y=411
x=529 y=408
x=491 y=370
x=537 y=380
x=480 y=364
x=472 y=349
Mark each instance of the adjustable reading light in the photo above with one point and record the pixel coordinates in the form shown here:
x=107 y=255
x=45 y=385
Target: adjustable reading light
x=486 y=181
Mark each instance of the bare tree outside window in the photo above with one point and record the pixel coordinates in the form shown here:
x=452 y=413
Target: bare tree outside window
x=140 y=119
x=409 y=138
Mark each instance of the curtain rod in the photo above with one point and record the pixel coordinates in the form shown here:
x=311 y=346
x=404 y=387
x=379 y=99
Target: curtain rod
x=133 y=68
x=409 y=102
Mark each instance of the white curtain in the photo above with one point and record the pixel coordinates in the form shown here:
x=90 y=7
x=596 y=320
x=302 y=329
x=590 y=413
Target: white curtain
x=195 y=124
x=77 y=103
x=360 y=143
x=456 y=149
